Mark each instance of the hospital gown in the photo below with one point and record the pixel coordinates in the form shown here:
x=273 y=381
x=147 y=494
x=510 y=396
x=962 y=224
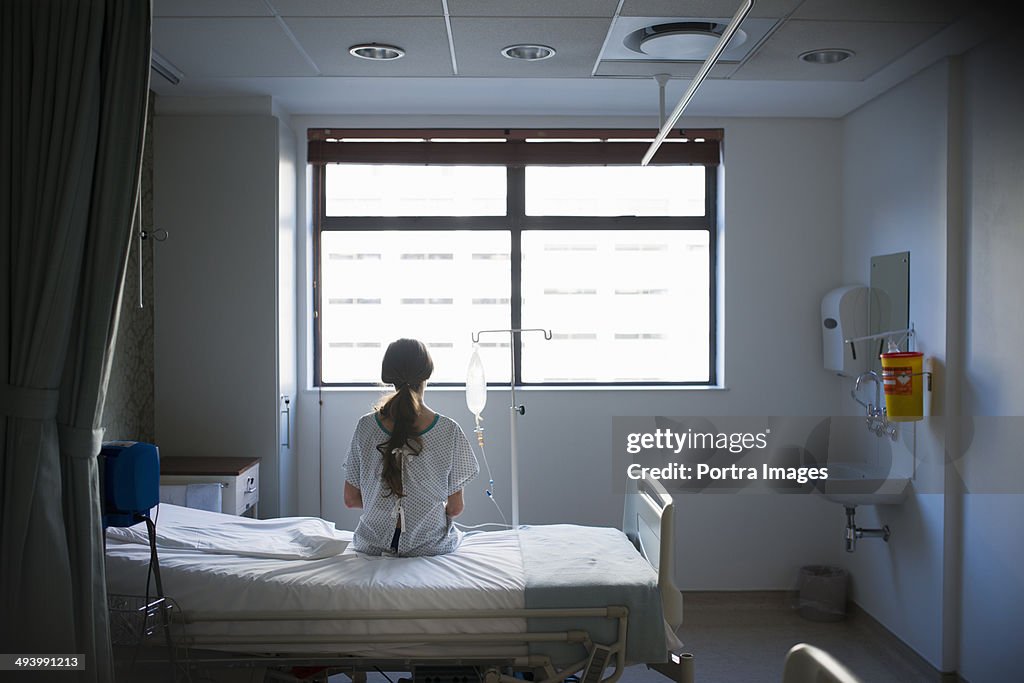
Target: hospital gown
x=443 y=466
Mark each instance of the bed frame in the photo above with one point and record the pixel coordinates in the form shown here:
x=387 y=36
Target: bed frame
x=648 y=522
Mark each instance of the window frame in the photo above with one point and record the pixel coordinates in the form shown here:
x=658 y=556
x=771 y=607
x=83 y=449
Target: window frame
x=516 y=222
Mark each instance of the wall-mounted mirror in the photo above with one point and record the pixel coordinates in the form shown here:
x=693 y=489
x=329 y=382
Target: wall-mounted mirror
x=889 y=303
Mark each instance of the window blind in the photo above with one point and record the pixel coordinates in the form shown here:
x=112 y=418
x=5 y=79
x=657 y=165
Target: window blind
x=509 y=147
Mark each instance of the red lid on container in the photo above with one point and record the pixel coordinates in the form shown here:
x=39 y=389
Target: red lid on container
x=903 y=354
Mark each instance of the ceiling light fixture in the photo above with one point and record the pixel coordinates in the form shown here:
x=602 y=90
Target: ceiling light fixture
x=826 y=56
x=376 y=52
x=685 y=40
x=528 y=53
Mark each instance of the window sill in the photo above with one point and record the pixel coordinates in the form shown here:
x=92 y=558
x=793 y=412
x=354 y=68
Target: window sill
x=527 y=389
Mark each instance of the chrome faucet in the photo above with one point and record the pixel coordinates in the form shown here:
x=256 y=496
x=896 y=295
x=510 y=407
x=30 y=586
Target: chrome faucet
x=872 y=408
x=876 y=417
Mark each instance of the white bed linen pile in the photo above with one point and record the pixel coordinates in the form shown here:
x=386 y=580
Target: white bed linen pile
x=486 y=572
x=292 y=538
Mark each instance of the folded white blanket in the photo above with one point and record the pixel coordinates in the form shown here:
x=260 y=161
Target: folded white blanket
x=287 y=538
x=196 y=496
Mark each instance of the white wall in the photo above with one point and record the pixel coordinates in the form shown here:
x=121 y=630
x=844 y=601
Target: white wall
x=781 y=255
x=894 y=200
x=934 y=167
x=215 y=318
x=287 y=322
x=992 y=597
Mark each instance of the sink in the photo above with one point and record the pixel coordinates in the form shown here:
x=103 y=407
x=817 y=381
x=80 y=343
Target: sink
x=853 y=484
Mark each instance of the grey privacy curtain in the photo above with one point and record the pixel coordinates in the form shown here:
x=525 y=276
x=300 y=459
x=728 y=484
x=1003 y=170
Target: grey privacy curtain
x=74 y=79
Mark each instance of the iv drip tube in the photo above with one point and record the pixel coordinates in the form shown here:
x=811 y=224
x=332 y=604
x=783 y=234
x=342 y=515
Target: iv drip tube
x=516 y=411
x=476 y=399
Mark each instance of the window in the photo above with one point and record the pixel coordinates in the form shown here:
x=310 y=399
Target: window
x=422 y=236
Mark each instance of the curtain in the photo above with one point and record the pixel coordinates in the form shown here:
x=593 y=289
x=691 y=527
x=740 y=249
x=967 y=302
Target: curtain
x=74 y=82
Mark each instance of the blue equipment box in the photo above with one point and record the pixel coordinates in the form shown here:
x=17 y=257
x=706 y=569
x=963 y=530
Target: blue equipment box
x=130 y=477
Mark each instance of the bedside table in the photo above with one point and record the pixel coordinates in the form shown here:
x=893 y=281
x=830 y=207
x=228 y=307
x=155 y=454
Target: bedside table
x=240 y=478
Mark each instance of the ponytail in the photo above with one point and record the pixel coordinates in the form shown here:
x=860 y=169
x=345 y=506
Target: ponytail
x=407 y=365
x=402 y=407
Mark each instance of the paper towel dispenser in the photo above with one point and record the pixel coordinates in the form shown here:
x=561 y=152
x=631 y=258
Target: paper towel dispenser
x=844 y=315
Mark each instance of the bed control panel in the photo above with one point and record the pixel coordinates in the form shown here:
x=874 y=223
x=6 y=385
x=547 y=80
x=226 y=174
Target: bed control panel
x=240 y=478
x=445 y=674
x=600 y=657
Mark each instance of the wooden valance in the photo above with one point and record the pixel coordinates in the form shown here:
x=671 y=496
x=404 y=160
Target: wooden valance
x=506 y=147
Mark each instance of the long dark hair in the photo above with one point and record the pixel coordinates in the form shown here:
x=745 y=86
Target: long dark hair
x=407 y=365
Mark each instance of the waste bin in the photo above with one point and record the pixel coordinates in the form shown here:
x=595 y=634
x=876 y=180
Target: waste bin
x=822 y=595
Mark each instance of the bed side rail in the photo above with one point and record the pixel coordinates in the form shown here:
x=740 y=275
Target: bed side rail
x=648 y=521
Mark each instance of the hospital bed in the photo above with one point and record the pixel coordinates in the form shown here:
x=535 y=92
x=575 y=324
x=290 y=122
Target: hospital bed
x=552 y=601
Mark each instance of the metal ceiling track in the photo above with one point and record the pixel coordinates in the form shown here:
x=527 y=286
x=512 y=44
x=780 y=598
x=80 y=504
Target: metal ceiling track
x=670 y=122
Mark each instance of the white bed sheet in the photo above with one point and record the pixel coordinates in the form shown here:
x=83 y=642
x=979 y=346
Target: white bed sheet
x=291 y=538
x=486 y=572
x=550 y=566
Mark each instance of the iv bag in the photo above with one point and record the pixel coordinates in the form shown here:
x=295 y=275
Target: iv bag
x=476 y=384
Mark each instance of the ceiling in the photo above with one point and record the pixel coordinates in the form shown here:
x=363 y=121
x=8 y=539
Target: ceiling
x=296 y=51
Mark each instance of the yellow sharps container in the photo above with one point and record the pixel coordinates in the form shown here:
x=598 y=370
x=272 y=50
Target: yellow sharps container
x=903 y=381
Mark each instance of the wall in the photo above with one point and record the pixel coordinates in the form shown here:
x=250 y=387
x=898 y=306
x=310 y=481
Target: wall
x=128 y=410
x=216 y=324
x=992 y=570
x=934 y=167
x=894 y=199
x=780 y=250
x=287 y=235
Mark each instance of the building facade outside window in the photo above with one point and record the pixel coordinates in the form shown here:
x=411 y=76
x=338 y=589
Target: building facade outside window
x=438 y=237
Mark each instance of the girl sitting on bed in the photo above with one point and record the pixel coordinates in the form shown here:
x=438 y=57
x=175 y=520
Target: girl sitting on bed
x=407 y=465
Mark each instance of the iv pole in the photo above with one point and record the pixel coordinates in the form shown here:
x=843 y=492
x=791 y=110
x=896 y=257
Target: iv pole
x=516 y=410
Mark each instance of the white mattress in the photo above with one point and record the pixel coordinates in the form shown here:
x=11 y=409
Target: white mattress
x=486 y=572
x=215 y=562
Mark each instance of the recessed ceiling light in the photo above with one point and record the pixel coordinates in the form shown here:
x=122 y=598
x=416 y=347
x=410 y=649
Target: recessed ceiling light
x=826 y=56
x=529 y=53
x=376 y=51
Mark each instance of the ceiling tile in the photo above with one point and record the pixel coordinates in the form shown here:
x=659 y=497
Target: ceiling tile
x=478 y=44
x=297 y=52
x=424 y=39
x=359 y=8
x=883 y=10
x=228 y=48
x=875 y=45
x=772 y=9
x=210 y=8
x=532 y=8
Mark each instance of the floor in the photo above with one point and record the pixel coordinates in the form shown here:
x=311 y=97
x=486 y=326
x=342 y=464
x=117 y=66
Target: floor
x=734 y=638
x=741 y=637
x=744 y=638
